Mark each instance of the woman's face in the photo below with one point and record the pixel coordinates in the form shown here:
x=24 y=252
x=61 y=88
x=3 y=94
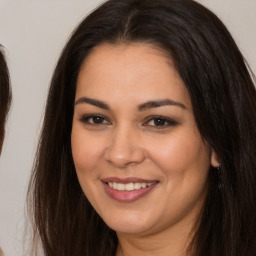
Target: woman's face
x=138 y=154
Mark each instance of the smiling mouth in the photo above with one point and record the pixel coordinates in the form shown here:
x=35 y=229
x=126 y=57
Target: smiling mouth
x=129 y=189
x=129 y=186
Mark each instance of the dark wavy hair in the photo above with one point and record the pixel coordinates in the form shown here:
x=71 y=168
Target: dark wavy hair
x=5 y=95
x=222 y=91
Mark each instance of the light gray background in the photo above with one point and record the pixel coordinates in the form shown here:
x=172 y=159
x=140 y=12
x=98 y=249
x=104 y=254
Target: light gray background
x=34 y=33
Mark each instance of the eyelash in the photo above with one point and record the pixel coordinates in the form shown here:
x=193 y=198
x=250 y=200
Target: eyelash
x=166 y=122
x=163 y=121
x=86 y=120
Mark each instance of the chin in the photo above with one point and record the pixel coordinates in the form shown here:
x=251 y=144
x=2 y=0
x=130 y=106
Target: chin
x=129 y=225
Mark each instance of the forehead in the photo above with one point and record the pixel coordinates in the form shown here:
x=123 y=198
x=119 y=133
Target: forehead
x=130 y=70
x=133 y=55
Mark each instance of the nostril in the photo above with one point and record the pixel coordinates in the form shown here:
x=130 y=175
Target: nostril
x=123 y=157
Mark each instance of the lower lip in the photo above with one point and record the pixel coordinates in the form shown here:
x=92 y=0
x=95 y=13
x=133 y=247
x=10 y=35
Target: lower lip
x=127 y=196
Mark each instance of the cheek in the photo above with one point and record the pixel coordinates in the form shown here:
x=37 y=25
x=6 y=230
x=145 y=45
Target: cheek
x=86 y=149
x=86 y=153
x=181 y=154
x=184 y=161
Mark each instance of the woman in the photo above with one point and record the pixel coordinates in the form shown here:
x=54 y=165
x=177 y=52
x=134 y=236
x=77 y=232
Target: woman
x=5 y=100
x=148 y=143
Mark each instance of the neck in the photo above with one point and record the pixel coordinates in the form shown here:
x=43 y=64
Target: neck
x=166 y=243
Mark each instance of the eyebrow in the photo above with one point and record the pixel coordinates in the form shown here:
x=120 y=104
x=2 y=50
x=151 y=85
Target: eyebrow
x=142 y=107
x=93 y=102
x=160 y=103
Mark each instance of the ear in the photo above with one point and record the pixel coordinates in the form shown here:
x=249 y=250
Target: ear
x=214 y=159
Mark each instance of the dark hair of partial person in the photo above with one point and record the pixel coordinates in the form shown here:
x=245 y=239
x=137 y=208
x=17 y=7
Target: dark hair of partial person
x=5 y=95
x=222 y=91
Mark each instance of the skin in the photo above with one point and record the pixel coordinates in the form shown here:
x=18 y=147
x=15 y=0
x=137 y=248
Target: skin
x=128 y=141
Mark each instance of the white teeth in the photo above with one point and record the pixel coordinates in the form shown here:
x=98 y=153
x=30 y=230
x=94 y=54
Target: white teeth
x=120 y=186
x=143 y=185
x=137 y=185
x=128 y=186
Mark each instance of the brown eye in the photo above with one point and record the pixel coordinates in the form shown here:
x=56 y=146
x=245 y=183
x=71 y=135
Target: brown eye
x=97 y=120
x=159 y=122
x=94 y=120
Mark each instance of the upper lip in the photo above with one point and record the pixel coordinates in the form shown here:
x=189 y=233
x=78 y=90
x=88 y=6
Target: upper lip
x=127 y=180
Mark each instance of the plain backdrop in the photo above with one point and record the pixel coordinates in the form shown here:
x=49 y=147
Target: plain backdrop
x=33 y=33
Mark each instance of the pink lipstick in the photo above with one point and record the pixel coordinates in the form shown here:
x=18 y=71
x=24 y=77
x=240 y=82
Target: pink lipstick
x=129 y=189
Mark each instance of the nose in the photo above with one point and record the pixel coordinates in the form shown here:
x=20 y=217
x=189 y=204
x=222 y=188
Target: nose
x=124 y=148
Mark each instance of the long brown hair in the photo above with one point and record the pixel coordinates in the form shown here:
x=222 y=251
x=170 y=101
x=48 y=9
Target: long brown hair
x=5 y=95
x=224 y=103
